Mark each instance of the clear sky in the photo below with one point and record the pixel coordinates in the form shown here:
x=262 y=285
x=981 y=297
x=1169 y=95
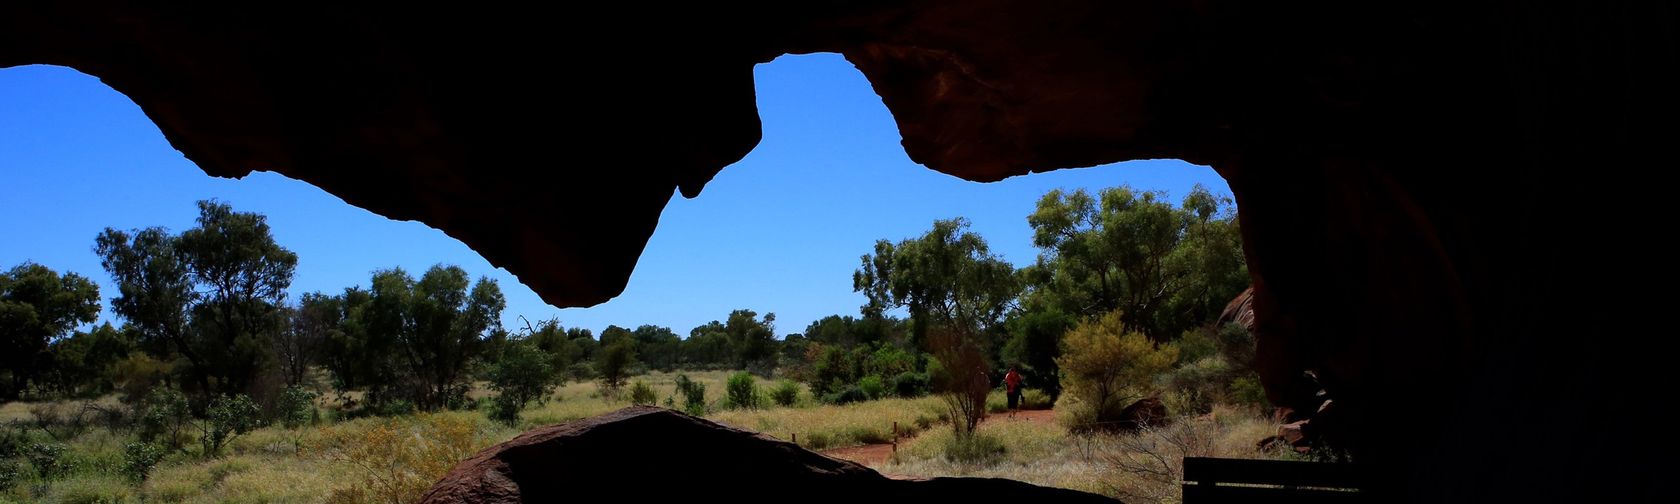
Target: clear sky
x=781 y=231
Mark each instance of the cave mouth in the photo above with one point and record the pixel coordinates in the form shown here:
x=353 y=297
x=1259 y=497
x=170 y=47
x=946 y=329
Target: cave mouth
x=869 y=190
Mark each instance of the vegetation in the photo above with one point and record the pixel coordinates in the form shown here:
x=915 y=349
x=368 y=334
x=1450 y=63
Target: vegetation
x=214 y=385
x=1106 y=367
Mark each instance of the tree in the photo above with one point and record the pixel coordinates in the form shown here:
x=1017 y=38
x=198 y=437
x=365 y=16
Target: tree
x=36 y=306
x=1035 y=341
x=521 y=375
x=436 y=325
x=1106 y=365
x=212 y=295
x=1165 y=268
x=657 y=346
x=960 y=378
x=752 y=340
x=947 y=278
x=559 y=345
x=613 y=364
x=707 y=345
x=311 y=323
x=84 y=363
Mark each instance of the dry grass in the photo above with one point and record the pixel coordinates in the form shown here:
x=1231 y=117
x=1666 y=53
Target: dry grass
x=365 y=459
x=826 y=426
x=1139 y=467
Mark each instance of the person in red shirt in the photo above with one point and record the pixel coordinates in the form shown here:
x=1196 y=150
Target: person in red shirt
x=1012 y=389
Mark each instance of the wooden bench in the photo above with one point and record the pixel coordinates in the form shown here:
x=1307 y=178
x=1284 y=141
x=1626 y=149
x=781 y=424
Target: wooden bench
x=1215 y=480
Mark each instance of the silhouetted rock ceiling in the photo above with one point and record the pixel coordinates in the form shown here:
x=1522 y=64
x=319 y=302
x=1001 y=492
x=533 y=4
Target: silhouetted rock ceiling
x=1410 y=174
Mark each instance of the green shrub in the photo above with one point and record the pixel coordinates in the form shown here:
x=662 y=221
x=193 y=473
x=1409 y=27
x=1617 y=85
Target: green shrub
x=975 y=449
x=505 y=409
x=1035 y=399
x=395 y=407
x=224 y=419
x=872 y=387
x=742 y=391
x=642 y=394
x=48 y=459
x=10 y=473
x=523 y=374
x=1108 y=365
x=295 y=408
x=845 y=396
x=694 y=395
x=1246 y=390
x=163 y=414
x=785 y=393
x=909 y=385
x=1196 y=344
x=139 y=458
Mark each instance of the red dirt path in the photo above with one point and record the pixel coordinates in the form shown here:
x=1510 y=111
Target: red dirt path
x=877 y=454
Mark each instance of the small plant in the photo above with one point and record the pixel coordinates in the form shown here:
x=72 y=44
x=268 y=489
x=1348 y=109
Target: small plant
x=642 y=394
x=742 y=391
x=163 y=414
x=48 y=459
x=9 y=474
x=785 y=393
x=872 y=387
x=139 y=458
x=296 y=407
x=694 y=395
x=976 y=449
x=225 y=419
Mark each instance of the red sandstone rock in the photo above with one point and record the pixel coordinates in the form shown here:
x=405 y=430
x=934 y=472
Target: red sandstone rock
x=648 y=454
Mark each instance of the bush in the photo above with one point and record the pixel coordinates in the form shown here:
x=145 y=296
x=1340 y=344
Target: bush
x=694 y=395
x=296 y=407
x=1246 y=390
x=48 y=459
x=613 y=364
x=785 y=393
x=139 y=458
x=977 y=449
x=505 y=410
x=163 y=414
x=225 y=419
x=138 y=375
x=9 y=474
x=846 y=396
x=642 y=394
x=910 y=385
x=1107 y=366
x=872 y=387
x=742 y=391
x=581 y=371
x=523 y=373
x=1196 y=344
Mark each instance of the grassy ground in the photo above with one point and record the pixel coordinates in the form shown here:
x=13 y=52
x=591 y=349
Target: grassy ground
x=395 y=459
x=1139 y=467
x=378 y=459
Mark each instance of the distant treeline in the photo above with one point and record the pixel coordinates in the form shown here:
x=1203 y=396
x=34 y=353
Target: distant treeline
x=206 y=311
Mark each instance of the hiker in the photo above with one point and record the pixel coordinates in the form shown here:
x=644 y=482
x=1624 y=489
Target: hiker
x=1012 y=389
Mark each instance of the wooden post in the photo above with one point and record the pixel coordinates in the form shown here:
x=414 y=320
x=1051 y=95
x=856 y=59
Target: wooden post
x=895 y=436
x=796 y=438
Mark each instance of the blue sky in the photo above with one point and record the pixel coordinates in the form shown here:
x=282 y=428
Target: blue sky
x=781 y=231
